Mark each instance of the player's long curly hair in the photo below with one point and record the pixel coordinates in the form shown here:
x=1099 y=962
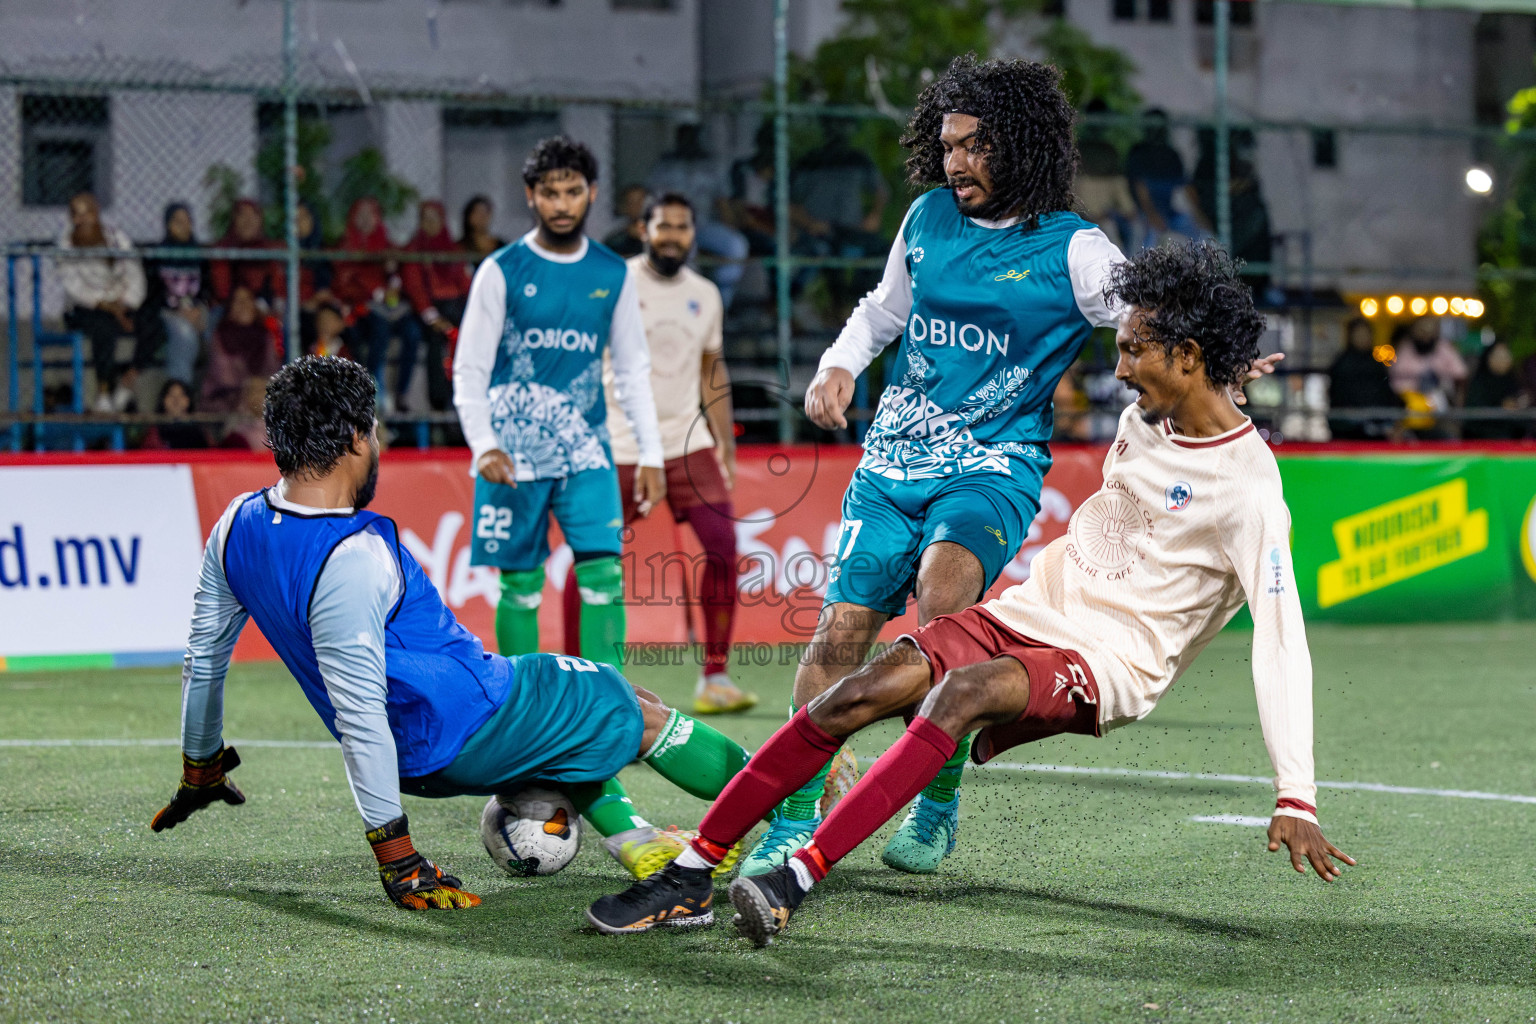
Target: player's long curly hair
x=314 y=409
x=1192 y=291
x=1024 y=127
x=559 y=153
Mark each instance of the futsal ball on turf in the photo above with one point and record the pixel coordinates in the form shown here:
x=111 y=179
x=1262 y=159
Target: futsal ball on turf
x=532 y=832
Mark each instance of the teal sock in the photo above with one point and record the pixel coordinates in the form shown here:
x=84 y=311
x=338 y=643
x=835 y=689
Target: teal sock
x=947 y=783
x=606 y=806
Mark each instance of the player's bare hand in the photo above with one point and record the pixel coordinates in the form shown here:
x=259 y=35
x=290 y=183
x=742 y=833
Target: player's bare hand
x=495 y=466
x=725 y=456
x=1307 y=844
x=828 y=396
x=1261 y=366
x=650 y=488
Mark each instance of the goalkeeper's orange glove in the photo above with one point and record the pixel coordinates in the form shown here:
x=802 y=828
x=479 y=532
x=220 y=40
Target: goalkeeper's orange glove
x=410 y=880
x=202 y=782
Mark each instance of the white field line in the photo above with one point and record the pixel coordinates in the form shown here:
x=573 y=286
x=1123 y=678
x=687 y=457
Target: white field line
x=281 y=744
x=1231 y=819
x=1368 y=787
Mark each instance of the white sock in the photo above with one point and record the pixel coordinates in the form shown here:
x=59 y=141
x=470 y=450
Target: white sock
x=691 y=858
x=801 y=872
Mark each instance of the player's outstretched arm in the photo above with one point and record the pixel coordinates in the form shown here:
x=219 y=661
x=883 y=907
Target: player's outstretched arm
x=410 y=880
x=1307 y=845
x=1261 y=366
x=203 y=782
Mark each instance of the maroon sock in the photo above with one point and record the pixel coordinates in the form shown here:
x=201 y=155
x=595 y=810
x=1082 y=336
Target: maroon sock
x=717 y=590
x=570 y=603
x=791 y=758
x=897 y=777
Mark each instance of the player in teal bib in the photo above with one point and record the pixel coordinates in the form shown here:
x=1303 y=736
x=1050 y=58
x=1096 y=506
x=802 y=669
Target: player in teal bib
x=993 y=286
x=528 y=385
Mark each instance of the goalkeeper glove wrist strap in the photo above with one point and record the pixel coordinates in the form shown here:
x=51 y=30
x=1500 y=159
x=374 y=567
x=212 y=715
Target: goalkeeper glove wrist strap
x=391 y=841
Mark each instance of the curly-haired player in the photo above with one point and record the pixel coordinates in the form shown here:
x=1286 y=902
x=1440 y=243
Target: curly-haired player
x=993 y=285
x=1189 y=524
x=416 y=702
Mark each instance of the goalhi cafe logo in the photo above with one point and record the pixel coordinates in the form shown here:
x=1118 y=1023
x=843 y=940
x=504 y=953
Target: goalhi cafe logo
x=1402 y=539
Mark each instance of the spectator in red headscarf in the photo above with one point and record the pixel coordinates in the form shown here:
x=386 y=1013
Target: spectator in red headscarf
x=437 y=292
x=264 y=278
x=371 y=290
x=244 y=347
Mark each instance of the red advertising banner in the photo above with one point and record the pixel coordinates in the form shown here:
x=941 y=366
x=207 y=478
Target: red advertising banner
x=786 y=504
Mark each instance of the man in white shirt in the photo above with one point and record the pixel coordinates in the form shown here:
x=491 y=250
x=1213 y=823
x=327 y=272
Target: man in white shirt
x=1189 y=525
x=684 y=316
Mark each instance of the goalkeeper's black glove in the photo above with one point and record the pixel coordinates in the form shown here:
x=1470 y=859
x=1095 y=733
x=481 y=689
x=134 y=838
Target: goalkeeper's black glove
x=410 y=880
x=203 y=782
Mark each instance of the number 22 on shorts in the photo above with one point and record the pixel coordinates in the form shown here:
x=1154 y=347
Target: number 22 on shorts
x=495 y=523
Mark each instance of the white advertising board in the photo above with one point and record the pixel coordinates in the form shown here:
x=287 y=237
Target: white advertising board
x=96 y=559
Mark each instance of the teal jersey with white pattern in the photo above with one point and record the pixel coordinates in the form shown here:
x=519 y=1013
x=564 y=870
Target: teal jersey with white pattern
x=546 y=386
x=994 y=323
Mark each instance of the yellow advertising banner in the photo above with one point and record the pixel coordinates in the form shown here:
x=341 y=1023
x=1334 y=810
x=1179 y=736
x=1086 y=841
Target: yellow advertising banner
x=1401 y=539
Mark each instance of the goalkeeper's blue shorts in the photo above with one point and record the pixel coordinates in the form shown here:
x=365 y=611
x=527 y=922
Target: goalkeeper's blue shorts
x=565 y=720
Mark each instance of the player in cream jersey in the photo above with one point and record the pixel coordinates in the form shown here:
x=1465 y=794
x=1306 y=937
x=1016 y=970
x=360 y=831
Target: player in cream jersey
x=1189 y=524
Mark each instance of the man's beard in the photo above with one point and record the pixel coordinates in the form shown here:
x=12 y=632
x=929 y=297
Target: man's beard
x=985 y=208
x=666 y=266
x=563 y=237
x=363 y=496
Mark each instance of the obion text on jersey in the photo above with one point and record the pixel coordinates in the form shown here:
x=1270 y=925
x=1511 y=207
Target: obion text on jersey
x=553 y=337
x=946 y=332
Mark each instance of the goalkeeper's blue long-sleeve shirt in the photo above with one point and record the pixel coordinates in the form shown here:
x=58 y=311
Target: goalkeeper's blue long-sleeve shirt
x=356 y=589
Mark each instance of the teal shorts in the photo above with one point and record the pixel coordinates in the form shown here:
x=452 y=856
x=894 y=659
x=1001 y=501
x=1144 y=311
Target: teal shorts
x=511 y=524
x=888 y=524
x=565 y=720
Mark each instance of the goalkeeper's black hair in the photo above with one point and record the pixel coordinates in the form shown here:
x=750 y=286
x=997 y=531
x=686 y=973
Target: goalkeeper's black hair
x=559 y=153
x=1192 y=291
x=1024 y=127
x=315 y=408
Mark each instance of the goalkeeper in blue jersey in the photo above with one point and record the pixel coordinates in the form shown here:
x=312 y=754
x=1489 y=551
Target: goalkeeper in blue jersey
x=417 y=703
x=528 y=386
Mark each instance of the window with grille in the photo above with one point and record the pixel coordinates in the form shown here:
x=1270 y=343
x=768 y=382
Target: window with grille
x=65 y=146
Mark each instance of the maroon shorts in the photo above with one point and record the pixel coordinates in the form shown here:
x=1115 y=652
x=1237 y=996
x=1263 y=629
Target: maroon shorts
x=1063 y=696
x=692 y=480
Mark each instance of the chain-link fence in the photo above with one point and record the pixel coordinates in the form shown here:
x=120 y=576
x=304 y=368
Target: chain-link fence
x=397 y=188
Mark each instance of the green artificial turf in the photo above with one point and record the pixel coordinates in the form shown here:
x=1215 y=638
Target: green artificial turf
x=1070 y=898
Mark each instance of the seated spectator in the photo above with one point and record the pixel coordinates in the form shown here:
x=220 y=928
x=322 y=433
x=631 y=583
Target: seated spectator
x=246 y=430
x=103 y=298
x=330 y=334
x=1495 y=385
x=314 y=275
x=264 y=278
x=1356 y=380
x=1251 y=238
x=243 y=347
x=1166 y=200
x=628 y=239
x=476 y=235
x=750 y=206
x=437 y=292
x=178 y=291
x=837 y=198
x=1429 y=374
x=1101 y=186
x=692 y=171
x=371 y=290
x=175 y=400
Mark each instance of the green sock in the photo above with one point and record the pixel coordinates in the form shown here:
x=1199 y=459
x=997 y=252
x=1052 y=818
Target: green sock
x=947 y=783
x=601 y=581
x=517 y=613
x=695 y=757
x=804 y=804
x=606 y=806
